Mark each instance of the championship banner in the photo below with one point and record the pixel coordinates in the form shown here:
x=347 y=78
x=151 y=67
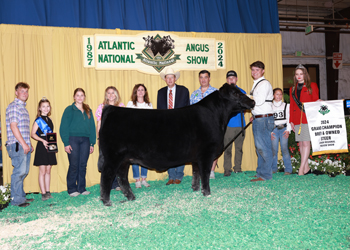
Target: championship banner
x=327 y=127
x=151 y=52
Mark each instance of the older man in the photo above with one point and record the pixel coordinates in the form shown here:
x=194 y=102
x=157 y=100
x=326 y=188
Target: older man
x=170 y=97
x=263 y=121
x=204 y=90
x=233 y=128
x=18 y=143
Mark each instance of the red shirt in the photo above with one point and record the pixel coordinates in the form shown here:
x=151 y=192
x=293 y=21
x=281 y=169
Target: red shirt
x=295 y=112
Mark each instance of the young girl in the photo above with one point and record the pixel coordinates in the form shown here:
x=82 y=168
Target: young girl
x=78 y=134
x=302 y=91
x=112 y=97
x=43 y=125
x=281 y=131
x=140 y=100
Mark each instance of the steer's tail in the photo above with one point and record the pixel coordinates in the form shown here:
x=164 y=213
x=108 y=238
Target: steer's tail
x=100 y=161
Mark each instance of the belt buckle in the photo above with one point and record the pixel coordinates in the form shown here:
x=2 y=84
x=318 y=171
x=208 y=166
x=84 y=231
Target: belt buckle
x=279 y=127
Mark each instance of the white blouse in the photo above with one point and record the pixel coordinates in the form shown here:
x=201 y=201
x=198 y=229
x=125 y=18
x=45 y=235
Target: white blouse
x=139 y=105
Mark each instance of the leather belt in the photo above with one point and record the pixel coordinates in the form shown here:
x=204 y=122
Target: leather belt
x=260 y=116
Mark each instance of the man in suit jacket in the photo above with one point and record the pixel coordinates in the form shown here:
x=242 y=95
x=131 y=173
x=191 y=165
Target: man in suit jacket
x=170 y=97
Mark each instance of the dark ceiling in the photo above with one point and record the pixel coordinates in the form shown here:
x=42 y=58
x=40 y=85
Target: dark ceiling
x=294 y=15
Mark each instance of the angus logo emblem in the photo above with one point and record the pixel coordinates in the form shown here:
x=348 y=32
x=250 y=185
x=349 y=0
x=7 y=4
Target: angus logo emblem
x=158 y=52
x=324 y=110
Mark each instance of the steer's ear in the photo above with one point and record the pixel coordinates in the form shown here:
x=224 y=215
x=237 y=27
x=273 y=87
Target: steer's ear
x=225 y=90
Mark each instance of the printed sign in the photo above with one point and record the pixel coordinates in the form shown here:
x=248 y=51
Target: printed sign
x=327 y=127
x=151 y=52
x=337 y=60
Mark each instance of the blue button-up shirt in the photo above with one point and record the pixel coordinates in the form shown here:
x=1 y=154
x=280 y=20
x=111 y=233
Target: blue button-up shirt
x=197 y=95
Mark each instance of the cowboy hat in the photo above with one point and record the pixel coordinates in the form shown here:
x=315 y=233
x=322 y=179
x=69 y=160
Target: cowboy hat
x=170 y=71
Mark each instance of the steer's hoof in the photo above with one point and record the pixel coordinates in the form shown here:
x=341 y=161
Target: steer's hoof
x=195 y=189
x=107 y=203
x=130 y=197
x=206 y=192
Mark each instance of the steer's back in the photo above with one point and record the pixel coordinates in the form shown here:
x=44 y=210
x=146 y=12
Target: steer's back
x=155 y=138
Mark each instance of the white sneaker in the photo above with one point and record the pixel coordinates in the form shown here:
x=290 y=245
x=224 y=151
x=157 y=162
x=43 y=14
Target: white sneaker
x=74 y=194
x=85 y=193
x=138 y=184
x=118 y=189
x=212 y=175
x=144 y=182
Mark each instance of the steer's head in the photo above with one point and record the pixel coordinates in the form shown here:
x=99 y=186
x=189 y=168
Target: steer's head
x=235 y=98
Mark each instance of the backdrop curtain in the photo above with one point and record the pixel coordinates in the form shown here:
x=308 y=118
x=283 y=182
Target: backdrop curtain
x=50 y=60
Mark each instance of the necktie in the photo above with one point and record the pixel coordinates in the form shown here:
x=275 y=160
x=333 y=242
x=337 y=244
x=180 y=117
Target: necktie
x=170 y=105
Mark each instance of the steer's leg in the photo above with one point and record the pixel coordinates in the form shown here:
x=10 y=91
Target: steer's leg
x=195 y=176
x=204 y=169
x=106 y=183
x=123 y=180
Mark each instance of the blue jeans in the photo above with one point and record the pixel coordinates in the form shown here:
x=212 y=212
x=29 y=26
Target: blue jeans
x=262 y=128
x=20 y=163
x=136 y=172
x=176 y=173
x=115 y=183
x=284 y=149
x=77 y=163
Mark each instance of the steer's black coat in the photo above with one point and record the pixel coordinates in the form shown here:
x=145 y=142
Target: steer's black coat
x=161 y=139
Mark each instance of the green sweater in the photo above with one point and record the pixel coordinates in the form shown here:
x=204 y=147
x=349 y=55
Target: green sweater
x=76 y=123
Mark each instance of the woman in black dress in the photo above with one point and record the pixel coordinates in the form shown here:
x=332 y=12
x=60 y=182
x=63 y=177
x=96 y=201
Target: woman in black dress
x=44 y=159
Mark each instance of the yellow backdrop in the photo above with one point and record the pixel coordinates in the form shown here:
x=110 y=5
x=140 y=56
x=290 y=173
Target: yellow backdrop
x=50 y=60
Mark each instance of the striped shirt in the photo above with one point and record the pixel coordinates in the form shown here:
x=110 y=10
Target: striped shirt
x=16 y=112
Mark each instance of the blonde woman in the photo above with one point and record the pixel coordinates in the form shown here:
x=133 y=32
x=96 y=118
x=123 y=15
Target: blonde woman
x=112 y=97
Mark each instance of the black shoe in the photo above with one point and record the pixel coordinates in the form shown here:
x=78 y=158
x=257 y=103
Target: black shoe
x=25 y=204
x=29 y=200
x=227 y=174
x=308 y=172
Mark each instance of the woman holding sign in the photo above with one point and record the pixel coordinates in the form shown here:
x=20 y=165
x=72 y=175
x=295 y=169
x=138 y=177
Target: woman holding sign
x=302 y=91
x=44 y=159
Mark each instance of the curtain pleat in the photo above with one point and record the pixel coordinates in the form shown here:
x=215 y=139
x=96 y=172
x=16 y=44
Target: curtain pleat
x=238 y=16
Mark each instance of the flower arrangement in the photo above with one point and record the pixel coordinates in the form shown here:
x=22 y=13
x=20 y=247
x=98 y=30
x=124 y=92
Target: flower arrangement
x=330 y=164
x=5 y=193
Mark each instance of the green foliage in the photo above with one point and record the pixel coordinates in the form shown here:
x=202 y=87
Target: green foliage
x=5 y=193
x=331 y=164
x=286 y=98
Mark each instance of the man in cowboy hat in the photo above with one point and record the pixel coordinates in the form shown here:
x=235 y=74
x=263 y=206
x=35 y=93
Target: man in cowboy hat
x=170 y=97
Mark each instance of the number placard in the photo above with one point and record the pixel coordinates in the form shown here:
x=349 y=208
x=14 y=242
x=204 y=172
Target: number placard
x=220 y=55
x=88 y=51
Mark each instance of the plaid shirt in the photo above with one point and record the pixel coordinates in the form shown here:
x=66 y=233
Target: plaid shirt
x=16 y=112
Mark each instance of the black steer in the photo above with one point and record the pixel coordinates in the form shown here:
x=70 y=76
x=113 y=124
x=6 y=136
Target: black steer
x=161 y=139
